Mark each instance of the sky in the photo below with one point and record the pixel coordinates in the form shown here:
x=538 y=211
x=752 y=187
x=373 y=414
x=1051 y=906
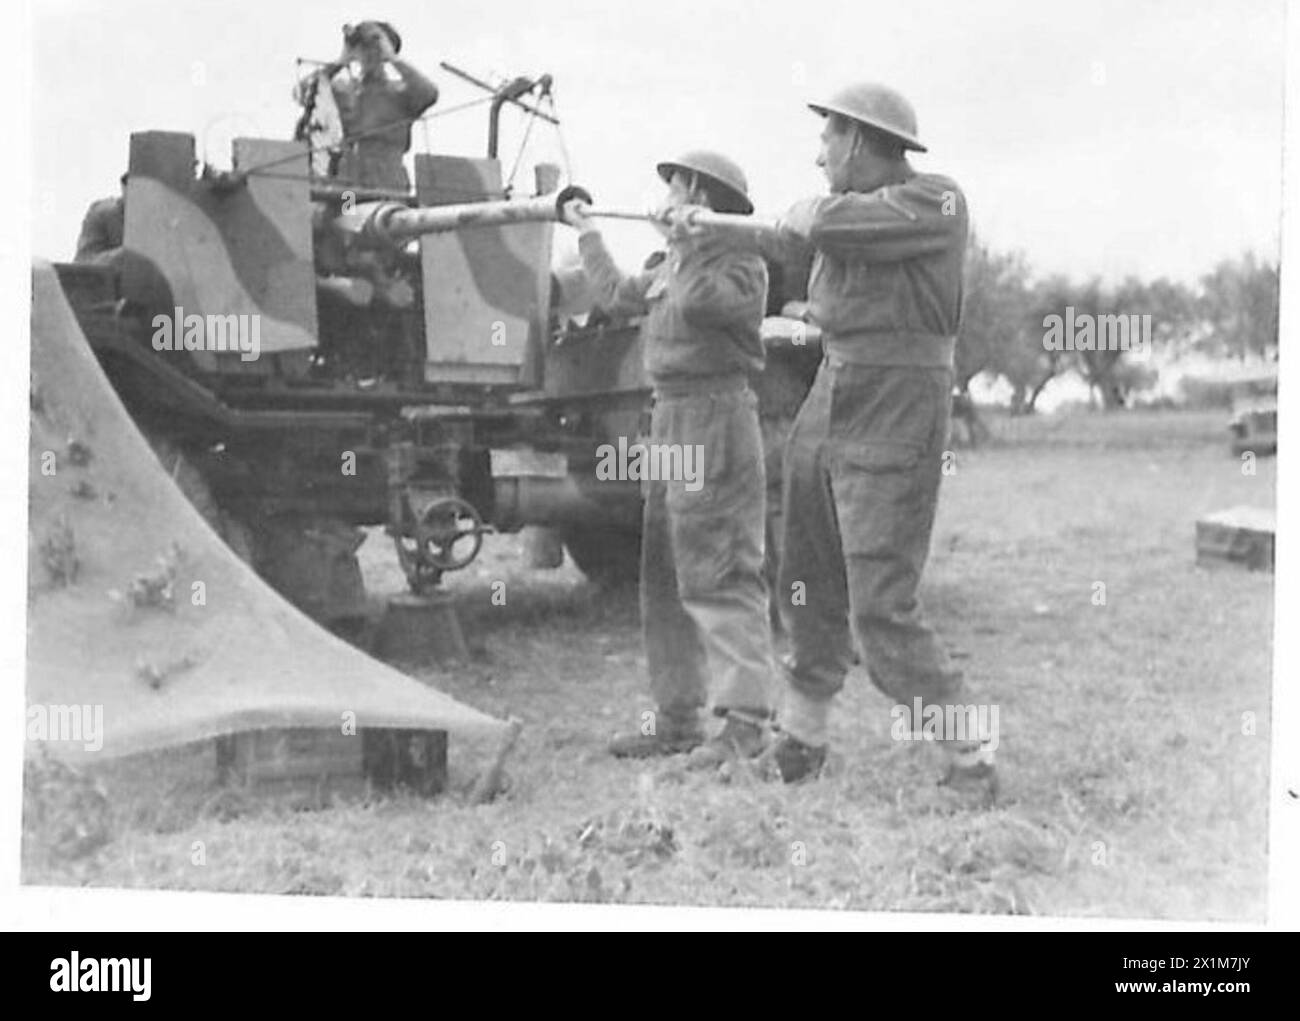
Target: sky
x=1110 y=138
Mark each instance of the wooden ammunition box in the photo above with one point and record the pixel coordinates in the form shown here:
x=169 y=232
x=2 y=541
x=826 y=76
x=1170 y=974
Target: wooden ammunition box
x=304 y=760
x=1241 y=535
x=297 y=760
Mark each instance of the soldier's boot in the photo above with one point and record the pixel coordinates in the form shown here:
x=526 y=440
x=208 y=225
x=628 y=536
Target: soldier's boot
x=971 y=776
x=742 y=737
x=672 y=735
x=793 y=761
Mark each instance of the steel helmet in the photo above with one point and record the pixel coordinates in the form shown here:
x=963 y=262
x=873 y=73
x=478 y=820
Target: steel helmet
x=718 y=169
x=877 y=106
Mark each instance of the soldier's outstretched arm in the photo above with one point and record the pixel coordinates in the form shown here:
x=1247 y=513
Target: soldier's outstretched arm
x=896 y=222
x=421 y=93
x=728 y=291
x=616 y=292
x=779 y=241
x=613 y=290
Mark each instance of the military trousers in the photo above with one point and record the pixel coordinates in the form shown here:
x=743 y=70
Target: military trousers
x=703 y=597
x=862 y=469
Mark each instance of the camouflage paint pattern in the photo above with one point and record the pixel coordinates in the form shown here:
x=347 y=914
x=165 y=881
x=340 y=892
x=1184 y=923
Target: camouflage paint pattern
x=245 y=250
x=486 y=290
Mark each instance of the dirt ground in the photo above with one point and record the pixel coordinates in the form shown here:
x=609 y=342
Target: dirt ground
x=1134 y=734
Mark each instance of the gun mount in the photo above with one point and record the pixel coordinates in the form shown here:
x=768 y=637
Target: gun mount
x=407 y=371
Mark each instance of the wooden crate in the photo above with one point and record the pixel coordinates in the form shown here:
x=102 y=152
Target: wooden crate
x=304 y=760
x=412 y=759
x=1254 y=426
x=1241 y=535
x=291 y=756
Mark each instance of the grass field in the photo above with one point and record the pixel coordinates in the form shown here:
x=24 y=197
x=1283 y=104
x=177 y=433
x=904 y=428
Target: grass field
x=1134 y=735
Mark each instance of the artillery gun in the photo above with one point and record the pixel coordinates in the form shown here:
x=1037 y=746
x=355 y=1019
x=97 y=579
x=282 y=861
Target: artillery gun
x=397 y=362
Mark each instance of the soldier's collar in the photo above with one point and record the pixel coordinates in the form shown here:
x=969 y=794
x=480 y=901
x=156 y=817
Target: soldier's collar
x=895 y=174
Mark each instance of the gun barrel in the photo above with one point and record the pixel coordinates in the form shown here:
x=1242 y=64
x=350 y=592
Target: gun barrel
x=395 y=222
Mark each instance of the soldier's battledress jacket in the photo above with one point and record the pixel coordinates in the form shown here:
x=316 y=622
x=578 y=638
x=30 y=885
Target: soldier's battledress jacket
x=886 y=278
x=377 y=112
x=703 y=307
x=863 y=461
x=703 y=598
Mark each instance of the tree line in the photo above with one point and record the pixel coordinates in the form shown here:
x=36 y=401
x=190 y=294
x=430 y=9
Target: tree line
x=1231 y=312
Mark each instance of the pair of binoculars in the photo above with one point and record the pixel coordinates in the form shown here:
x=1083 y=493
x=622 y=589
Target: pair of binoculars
x=354 y=35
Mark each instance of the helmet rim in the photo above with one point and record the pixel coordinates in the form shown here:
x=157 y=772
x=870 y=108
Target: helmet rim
x=692 y=163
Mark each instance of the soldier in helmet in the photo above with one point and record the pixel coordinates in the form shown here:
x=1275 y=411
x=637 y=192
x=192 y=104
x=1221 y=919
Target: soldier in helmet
x=863 y=461
x=704 y=603
x=377 y=108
